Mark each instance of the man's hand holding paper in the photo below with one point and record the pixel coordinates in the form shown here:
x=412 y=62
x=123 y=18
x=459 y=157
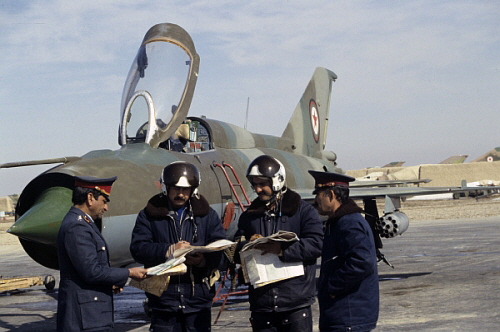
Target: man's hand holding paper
x=269 y=247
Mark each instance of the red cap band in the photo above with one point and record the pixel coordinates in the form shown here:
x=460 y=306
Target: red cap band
x=105 y=189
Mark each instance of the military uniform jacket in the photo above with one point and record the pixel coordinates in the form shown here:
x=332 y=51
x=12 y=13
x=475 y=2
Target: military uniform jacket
x=348 y=272
x=301 y=218
x=157 y=228
x=85 y=300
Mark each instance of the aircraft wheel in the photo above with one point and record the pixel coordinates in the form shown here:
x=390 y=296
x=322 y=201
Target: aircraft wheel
x=49 y=282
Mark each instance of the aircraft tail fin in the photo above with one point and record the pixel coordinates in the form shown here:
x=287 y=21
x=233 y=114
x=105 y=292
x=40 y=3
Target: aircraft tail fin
x=307 y=128
x=394 y=164
x=459 y=159
x=492 y=155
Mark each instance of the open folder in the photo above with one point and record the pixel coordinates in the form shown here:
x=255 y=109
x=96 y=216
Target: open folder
x=260 y=270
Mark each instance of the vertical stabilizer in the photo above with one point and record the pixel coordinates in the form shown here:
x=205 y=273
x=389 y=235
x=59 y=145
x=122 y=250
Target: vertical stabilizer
x=306 y=130
x=459 y=159
x=489 y=156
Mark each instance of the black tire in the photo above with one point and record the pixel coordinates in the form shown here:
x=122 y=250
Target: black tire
x=49 y=281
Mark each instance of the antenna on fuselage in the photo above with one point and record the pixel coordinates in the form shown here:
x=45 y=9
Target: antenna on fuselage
x=246 y=115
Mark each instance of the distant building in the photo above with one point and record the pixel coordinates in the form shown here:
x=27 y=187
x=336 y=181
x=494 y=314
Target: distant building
x=6 y=205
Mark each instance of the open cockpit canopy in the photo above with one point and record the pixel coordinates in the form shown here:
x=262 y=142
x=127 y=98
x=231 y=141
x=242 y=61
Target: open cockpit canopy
x=159 y=87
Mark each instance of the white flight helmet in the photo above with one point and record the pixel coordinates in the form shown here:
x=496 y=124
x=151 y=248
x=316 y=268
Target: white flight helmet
x=268 y=167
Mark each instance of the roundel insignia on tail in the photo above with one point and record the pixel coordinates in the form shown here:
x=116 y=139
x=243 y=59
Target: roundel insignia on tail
x=313 y=112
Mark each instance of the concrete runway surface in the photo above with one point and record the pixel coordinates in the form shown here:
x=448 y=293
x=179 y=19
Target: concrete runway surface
x=446 y=278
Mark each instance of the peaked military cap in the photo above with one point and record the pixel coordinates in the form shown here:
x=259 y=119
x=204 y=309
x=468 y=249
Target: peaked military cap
x=329 y=179
x=102 y=185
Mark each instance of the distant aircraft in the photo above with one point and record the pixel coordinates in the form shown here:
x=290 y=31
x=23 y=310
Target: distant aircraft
x=394 y=164
x=155 y=131
x=404 y=173
x=458 y=159
x=492 y=155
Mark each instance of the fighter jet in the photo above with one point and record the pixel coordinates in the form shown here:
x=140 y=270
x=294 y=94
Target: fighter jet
x=458 y=159
x=490 y=156
x=394 y=164
x=155 y=131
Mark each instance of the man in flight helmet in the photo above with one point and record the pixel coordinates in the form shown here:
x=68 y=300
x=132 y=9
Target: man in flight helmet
x=177 y=218
x=284 y=305
x=267 y=169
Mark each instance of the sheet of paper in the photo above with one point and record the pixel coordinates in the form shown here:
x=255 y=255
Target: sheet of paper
x=260 y=270
x=165 y=267
x=211 y=247
x=157 y=284
x=281 y=236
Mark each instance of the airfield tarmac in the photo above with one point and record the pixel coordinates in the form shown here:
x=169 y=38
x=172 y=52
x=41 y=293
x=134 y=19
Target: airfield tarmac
x=446 y=277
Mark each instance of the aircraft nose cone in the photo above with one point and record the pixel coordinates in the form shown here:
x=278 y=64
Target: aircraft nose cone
x=42 y=221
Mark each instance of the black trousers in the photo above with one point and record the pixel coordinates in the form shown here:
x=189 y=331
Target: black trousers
x=299 y=320
x=163 y=321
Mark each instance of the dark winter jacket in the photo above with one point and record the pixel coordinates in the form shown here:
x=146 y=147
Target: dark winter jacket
x=301 y=218
x=349 y=273
x=156 y=229
x=85 y=299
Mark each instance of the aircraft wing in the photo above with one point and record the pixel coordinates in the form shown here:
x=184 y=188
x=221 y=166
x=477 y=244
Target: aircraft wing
x=393 y=221
x=385 y=183
x=363 y=193
x=63 y=160
x=399 y=192
x=396 y=193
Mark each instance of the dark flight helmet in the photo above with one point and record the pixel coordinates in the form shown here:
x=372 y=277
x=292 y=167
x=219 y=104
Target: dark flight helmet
x=180 y=174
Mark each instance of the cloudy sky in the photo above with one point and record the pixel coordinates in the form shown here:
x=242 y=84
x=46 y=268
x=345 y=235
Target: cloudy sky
x=418 y=80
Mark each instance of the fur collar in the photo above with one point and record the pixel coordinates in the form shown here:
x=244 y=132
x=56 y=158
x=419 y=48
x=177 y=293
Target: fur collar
x=158 y=206
x=289 y=204
x=348 y=207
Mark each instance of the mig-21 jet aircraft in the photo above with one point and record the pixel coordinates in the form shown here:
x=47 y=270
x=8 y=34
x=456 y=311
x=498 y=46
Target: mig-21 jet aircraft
x=155 y=131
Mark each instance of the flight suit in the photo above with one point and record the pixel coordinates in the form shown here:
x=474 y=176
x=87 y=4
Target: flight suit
x=285 y=305
x=188 y=297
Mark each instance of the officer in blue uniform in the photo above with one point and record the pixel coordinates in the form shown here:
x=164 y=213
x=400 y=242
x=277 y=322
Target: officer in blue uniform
x=348 y=289
x=85 y=300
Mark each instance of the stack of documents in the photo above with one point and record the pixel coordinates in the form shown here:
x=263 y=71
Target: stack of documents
x=159 y=275
x=170 y=267
x=260 y=270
